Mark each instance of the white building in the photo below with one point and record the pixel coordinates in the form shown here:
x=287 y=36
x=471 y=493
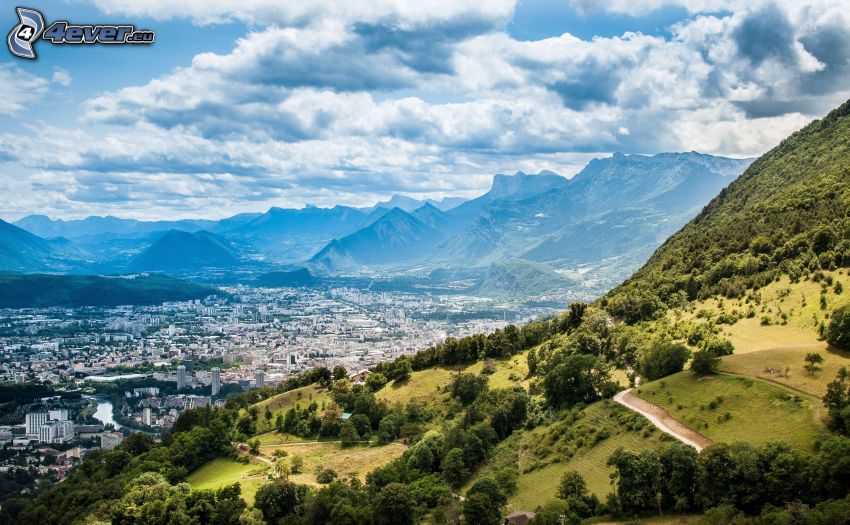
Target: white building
x=34 y=421
x=56 y=431
x=147 y=418
x=60 y=414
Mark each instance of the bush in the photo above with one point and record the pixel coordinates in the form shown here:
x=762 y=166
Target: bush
x=326 y=476
x=718 y=346
x=663 y=358
x=704 y=363
x=838 y=332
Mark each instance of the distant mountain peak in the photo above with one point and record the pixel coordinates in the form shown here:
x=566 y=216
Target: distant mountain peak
x=521 y=184
x=182 y=250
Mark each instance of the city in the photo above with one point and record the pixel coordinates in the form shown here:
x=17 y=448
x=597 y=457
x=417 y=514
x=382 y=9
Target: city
x=136 y=368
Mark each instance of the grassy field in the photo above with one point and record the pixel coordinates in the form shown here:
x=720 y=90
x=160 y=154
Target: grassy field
x=786 y=315
x=423 y=385
x=729 y=408
x=355 y=461
x=222 y=471
x=771 y=365
x=582 y=440
x=509 y=372
x=428 y=385
x=280 y=403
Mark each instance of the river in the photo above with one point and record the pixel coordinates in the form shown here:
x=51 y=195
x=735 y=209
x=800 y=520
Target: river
x=104 y=411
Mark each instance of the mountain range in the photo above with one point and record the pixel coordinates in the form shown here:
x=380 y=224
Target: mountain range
x=600 y=224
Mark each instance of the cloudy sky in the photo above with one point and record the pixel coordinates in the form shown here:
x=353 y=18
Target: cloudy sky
x=239 y=106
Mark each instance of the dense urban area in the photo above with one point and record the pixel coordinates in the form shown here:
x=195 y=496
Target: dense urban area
x=137 y=368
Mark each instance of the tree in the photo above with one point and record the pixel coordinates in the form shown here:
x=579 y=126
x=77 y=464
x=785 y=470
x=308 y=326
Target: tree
x=838 y=332
x=556 y=512
x=362 y=424
x=480 y=510
x=387 y=430
x=348 y=434
x=579 y=379
x=813 y=359
x=393 y=506
x=254 y=447
x=705 y=362
x=454 y=468
x=375 y=381
x=251 y=517
x=572 y=485
x=276 y=500
x=467 y=387
x=340 y=373
x=664 y=357
x=489 y=488
x=718 y=346
x=837 y=402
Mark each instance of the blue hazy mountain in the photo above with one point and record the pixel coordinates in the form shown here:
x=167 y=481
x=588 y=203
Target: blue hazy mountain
x=47 y=227
x=410 y=204
x=519 y=278
x=609 y=216
x=397 y=237
x=20 y=250
x=182 y=251
x=622 y=206
x=286 y=235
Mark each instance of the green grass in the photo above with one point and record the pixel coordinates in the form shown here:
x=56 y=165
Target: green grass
x=770 y=365
x=223 y=471
x=728 y=408
x=581 y=441
x=509 y=372
x=355 y=461
x=424 y=385
x=280 y=403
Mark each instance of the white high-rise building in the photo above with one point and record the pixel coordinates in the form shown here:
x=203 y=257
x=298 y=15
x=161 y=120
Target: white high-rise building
x=147 y=416
x=215 y=382
x=34 y=420
x=48 y=431
x=181 y=377
x=60 y=414
x=259 y=378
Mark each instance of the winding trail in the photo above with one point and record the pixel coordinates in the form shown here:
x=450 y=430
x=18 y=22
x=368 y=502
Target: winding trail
x=662 y=420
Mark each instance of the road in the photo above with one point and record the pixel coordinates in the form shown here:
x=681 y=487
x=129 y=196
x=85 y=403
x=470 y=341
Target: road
x=662 y=420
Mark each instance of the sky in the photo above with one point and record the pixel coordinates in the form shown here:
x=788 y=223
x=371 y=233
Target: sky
x=239 y=106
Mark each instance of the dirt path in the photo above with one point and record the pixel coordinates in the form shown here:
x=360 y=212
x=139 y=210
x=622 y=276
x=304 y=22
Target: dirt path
x=662 y=420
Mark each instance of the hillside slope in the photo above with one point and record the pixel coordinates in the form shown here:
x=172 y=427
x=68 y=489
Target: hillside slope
x=787 y=213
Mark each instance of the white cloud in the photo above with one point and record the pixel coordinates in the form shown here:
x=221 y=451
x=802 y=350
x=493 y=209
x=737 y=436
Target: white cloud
x=61 y=77
x=299 y=12
x=19 y=89
x=329 y=102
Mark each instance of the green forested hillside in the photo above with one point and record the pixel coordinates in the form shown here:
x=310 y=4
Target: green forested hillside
x=786 y=214
x=42 y=290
